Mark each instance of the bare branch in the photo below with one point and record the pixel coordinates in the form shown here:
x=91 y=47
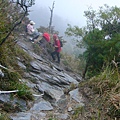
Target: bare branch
x=51 y=10
x=24 y=4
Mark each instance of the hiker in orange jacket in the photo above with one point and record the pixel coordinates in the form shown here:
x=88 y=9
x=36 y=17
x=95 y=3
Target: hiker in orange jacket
x=57 y=48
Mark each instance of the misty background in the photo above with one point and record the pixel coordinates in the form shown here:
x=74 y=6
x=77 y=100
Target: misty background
x=65 y=12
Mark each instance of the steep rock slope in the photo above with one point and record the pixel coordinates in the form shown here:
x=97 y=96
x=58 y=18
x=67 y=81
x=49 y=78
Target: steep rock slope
x=49 y=83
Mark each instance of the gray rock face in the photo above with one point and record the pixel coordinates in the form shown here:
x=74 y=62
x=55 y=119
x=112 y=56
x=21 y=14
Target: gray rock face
x=47 y=79
x=13 y=102
x=21 y=116
x=63 y=116
x=62 y=104
x=1 y=73
x=53 y=91
x=28 y=116
x=4 y=97
x=74 y=94
x=42 y=105
x=21 y=65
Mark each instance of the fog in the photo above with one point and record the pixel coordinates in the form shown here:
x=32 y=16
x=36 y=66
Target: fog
x=65 y=12
x=70 y=10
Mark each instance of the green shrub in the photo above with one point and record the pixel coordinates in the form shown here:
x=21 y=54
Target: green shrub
x=74 y=64
x=11 y=82
x=77 y=112
x=4 y=116
x=37 y=49
x=19 y=52
x=52 y=119
x=8 y=58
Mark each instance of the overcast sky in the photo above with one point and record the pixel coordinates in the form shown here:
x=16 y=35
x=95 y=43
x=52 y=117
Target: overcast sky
x=73 y=10
x=65 y=11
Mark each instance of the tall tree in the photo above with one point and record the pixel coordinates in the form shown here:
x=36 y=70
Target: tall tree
x=51 y=16
x=99 y=50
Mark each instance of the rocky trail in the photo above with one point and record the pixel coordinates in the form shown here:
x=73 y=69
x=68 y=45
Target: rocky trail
x=50 y=85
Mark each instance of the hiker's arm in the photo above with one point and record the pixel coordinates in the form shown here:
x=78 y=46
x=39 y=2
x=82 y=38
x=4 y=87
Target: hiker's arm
x=56 y=46
x=32 y=30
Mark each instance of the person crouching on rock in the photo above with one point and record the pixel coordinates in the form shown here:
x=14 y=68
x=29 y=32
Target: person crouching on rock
x=32 y=31
x=57 y=48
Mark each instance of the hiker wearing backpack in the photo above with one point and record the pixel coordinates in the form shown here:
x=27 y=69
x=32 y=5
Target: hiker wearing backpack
x=57 y=50
x=31 y=31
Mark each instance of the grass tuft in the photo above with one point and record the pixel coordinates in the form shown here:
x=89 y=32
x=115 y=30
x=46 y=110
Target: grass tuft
x=104 y=94
x=8 y=58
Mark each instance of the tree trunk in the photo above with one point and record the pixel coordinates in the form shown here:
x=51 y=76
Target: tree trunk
x=86 y=67
x=51 y=10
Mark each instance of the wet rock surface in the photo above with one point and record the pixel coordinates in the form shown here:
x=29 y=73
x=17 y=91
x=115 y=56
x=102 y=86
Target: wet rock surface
x=48 y=82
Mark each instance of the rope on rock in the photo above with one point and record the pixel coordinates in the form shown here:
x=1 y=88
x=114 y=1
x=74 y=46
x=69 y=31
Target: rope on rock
x=4 y=92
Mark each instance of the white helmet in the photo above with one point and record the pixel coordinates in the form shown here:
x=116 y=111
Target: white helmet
x=32 y=23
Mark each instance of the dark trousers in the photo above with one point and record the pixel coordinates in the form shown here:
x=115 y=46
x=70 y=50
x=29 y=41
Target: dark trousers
x=35 y=35
x=57 y=54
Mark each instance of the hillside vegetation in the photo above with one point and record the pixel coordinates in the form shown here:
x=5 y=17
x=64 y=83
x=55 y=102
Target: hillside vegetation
x=99 y=64
x=101 y=38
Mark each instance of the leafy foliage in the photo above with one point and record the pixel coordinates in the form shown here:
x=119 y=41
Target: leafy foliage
x=99 y=50
x=14 y=72
x=4 y=116
x=102 y=61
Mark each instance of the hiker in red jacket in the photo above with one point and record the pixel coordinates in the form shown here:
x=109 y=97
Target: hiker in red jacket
x=57 y=48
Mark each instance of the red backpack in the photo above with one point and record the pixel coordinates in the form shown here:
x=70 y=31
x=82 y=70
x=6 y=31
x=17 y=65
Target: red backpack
x=46 y=36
